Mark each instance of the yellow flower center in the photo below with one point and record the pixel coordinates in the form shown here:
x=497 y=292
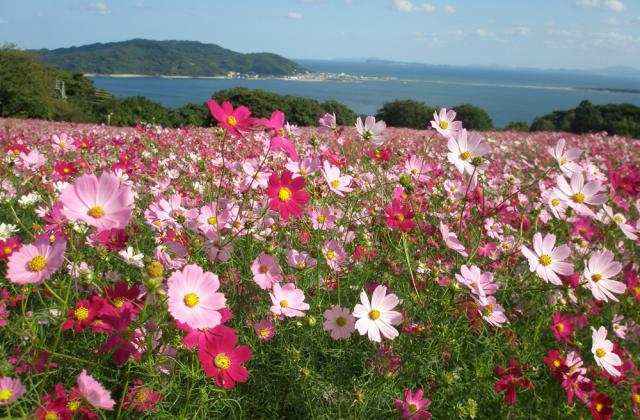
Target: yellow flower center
x=191 y=300
x=264 y=332
x=280 y=132
x=284 y=303
x=212 y=220
x=140 y=396
x=578 y=197
x=81 y=313
x=600 y=352
x=374 y=314
x=7 y=250
x=222 y=361
x=284 y=194
x=563 y=162
x=412 y=407
x=96 y=212
x=118 y=302
x=321 y=218
x=560 y=327
x=341 y=321
x=636 y=398
x=301 y=264
x=557 y=363
x=5 y=394
x=444 y=125
x=74 y=405
x=51 y=415
x=65 y=170
x=399 y=217
x=303 y=171
x=331 y=255
x=231 y=120
x=263 y=269
x=555 y=202
x=618 y=218
x=596 y=277
x=636 y=291
x=335 y=183
x=414 y=171
x=465 y=155
x=37 y=263
x=599 y=407
x=545 y=260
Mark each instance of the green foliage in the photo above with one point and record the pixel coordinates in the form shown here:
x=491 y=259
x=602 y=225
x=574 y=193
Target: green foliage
x=177 y=58
x=406 y=113
x=298 y=110
x=473 y=117
x=195 y=115
x=132 y=109
x=521 y=126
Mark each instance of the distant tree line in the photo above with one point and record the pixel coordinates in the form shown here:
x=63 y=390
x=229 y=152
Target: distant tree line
x=31 y=89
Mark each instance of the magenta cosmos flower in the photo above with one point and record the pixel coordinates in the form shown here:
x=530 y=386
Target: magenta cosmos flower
x=598 y=273
x=339 y=322
x=377 y=316
x=287 y=300
x=413 y=406
x=279 y=141
x=36 y=262
x=10 y=390
x=194 y=298
x=223 y=361
x=100 y=202
x=287 y=195
x=548 y=260
x=94 y=392
x=232 y=120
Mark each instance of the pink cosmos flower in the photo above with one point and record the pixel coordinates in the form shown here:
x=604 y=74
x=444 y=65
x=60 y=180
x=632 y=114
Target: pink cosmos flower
x=193 y=297
x=598 y=273
x=264 y=330
x=266 y=271
x=451 y=240
x=602 y=352
x=287 y=195
x=565 y=158
x=628 y=230
x=33 y=160
x=100 y=202
x=213 y=216
x=491 y=311
x=481 y=284
x=416 y=168
x=339 y=184
x=279 y=141
x=63 y=143
x=339 y=322
x=306 y=166
x=94 y=392
x=548 y=260
x=234 y=121
x=377 y=316
x=300 y=259
x=413 y=406
x=371 y=130
x=578 y=195
x=36 y=262
x=334 y=254
x=466 y=151
x=399 y=215
x=287 y=300
x=443 y=121
x=10 y=390
x=327 y=123
x=322 y=218
x=221 y=359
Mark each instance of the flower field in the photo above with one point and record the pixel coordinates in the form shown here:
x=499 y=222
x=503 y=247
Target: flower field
x=261 y=270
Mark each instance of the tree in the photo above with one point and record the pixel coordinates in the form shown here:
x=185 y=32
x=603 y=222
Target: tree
x=542 y=124
x=406 y=113
x=138 y=108
x=517 y=126
x=587 y=118
x=473 y=117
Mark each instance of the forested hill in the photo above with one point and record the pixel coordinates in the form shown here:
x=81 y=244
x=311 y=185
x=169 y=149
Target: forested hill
x=175 y=58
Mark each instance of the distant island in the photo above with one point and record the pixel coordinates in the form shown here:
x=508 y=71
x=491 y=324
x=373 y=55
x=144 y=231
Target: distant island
x=167 y=58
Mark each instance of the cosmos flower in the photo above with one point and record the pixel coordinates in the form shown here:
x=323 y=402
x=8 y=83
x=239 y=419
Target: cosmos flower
x=93 y=392
x=451 y=240
x=288 y=300
x=222 y=360
x=233 y=120
x=598 y=272
x=413 y=406
x=466 y=152
x=621 y=222
x=444 y=123
x=339 y=322
x=287 y=195
x=266 y=271
x=100 y=202
x=481 y=284
x=36 y=262
x=377 y=317
x=579 y=195
x=548 y=260
x=371 y=130
x=193 y=297
x=602 y=351
x=10 y=390
x=279 y=140
x=565 y=158
x=339 y=184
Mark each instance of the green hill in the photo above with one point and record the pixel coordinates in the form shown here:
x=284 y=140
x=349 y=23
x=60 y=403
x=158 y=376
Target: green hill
x=174 y=58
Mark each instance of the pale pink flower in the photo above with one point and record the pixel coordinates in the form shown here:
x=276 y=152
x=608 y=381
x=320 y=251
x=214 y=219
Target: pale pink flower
x=565 y=158
x=213 y=217
x=266 y=271
x=598 y=273
x=466 y=151
x=416 y=168
x=443 y=121
x=377 y=317
x=287 y=300
x=322 y=218
x=339 y=184
x=36 y=262
x=491 y=311
x=264 y=330
x=193 y=297
x=451 y=240
x=327 y=124
x=371 y=130
x=33 y=160
x=481 y=284
x=557 y=203
x=100 y=202
x=216 y=249
x=602 y=350
x=334 y=254
x=578 y=195
x=306 y=166
x=339 y=322
x=94 y=392
x=621 y=221
x=548 y=260
x=63 y=143
x=10 y=390
x=619 y=328
x=300 y=259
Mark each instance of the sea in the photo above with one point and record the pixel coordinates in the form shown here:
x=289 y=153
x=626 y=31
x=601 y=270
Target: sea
x=506 y=94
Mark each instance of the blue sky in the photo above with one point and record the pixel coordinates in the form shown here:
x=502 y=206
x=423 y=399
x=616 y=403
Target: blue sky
x=522 y=33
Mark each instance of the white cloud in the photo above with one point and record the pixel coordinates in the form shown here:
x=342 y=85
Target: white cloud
x=99 y=7
x=587 y=3
x=406 y=6
x=449 y=9
x=517 y=31
x=613 y=21
x=294 y=15
x=483 y=33
x=615 y=5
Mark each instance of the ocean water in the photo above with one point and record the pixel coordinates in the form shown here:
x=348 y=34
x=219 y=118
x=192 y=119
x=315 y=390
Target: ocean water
x=507 y=95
